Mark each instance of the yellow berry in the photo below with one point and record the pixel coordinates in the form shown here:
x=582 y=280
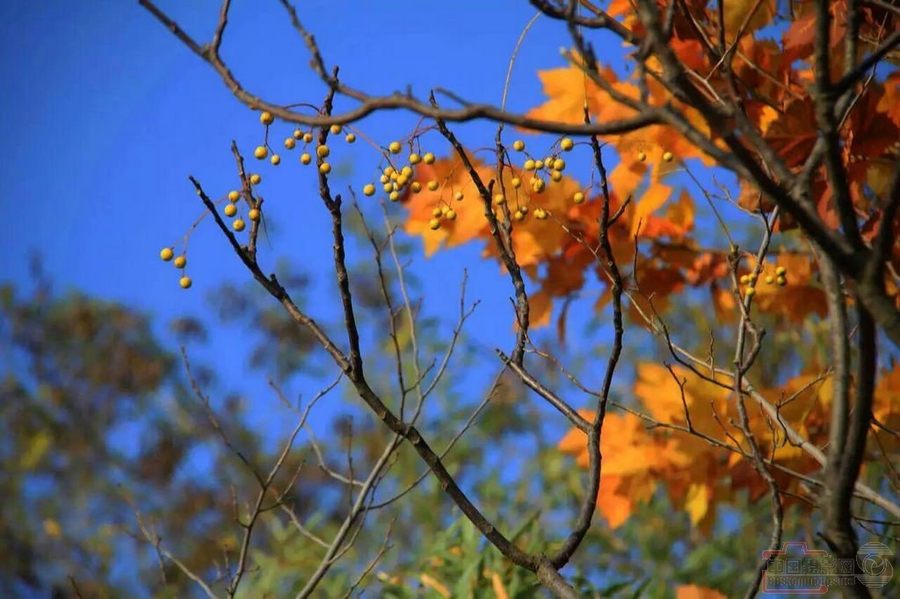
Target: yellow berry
x=394 y=196
x=185 y=282
x=275 y=159
x=369 y=189
x=384 y=179
x=556 y=176
x=298 y=134
x=307 y=137
x=290 y=143
x=406 y=171
x=233 y=196
x=253 y=214
x=336 y=129
x=668 y=156
x=451 y=214
x=432 y=185
x=578 y=198
x=537 y=184
x=752 y=276
x=180 y=262
x=266 y=118
x=305 y=158
x=559 y=164
x=414 y=158
x=779 y=272
x=350 y=138
x=437 y=212
x=255 y=179
x=770 y=279
x=166 y=254
x=519 y=215
x=458 y=196
x=238 y=225
x=499 y=199
x=538 y=165
x=566 y=144
x=781 y=281
x=394 y=147
x=230 y=210
x=434 y=224
x=324 y=168
x=416 y=187
x=322 y=151
x=642 y=156
x=428 y=158
x=751 y=291
x=260 y=152
x=744 y=279
x=395 y=175
x=529 y=165
x=518 y=145
x=516 y=182
x=540 y=213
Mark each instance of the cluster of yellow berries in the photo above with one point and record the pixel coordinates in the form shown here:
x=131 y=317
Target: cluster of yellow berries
x=552 y=167
x=167 y=254
x=230 y=210
x=321 y=151
x=667 y=156
x=396 y=179
x=750 y=280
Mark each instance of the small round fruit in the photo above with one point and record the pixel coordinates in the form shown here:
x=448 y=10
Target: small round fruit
x=770 y=279
x=414 y=158
x=394 y=196
x=458 y=196
x=538 y=165
x=230 y=210
x=779 y=272
x=432 y=185
x=255 y=179
x=298 y=134
x=529 y=165
x=266 y=118
x=537 y=185
x=516 y=182
x=305 y=158
x=434 y=224
x=556 y=176
x=416 y=186
x=324 y=168
x=238 y=225
x=540 y=213
x=499 y=199
x=166 y=254
x=750 y=292
x=394 y=147
x=290 y=143
x=388 y=187
x=369 y=189
x=781 y=281
x=253 y=214
x=260 y=152
x=559 y=164
x=518 y=145
x=578 y=198
x=744 y=279
x=180 y=262
x=428 y=158
x=336 y=129
x=642 y=156
x=322 y=151
x=451 y=214
x=566 y=144
x=185 y=282
x=406 y=171
x=350 y=138
x=668 y=156
x=307 y=137
x=519 y=215
x=437 y=212
x=234 y=196
x=275 y=159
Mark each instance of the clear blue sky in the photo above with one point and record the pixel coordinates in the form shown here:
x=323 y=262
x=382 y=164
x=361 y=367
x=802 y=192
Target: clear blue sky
x=106 y=113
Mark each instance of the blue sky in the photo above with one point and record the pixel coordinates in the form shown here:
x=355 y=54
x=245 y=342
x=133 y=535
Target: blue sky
x=107 y=114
